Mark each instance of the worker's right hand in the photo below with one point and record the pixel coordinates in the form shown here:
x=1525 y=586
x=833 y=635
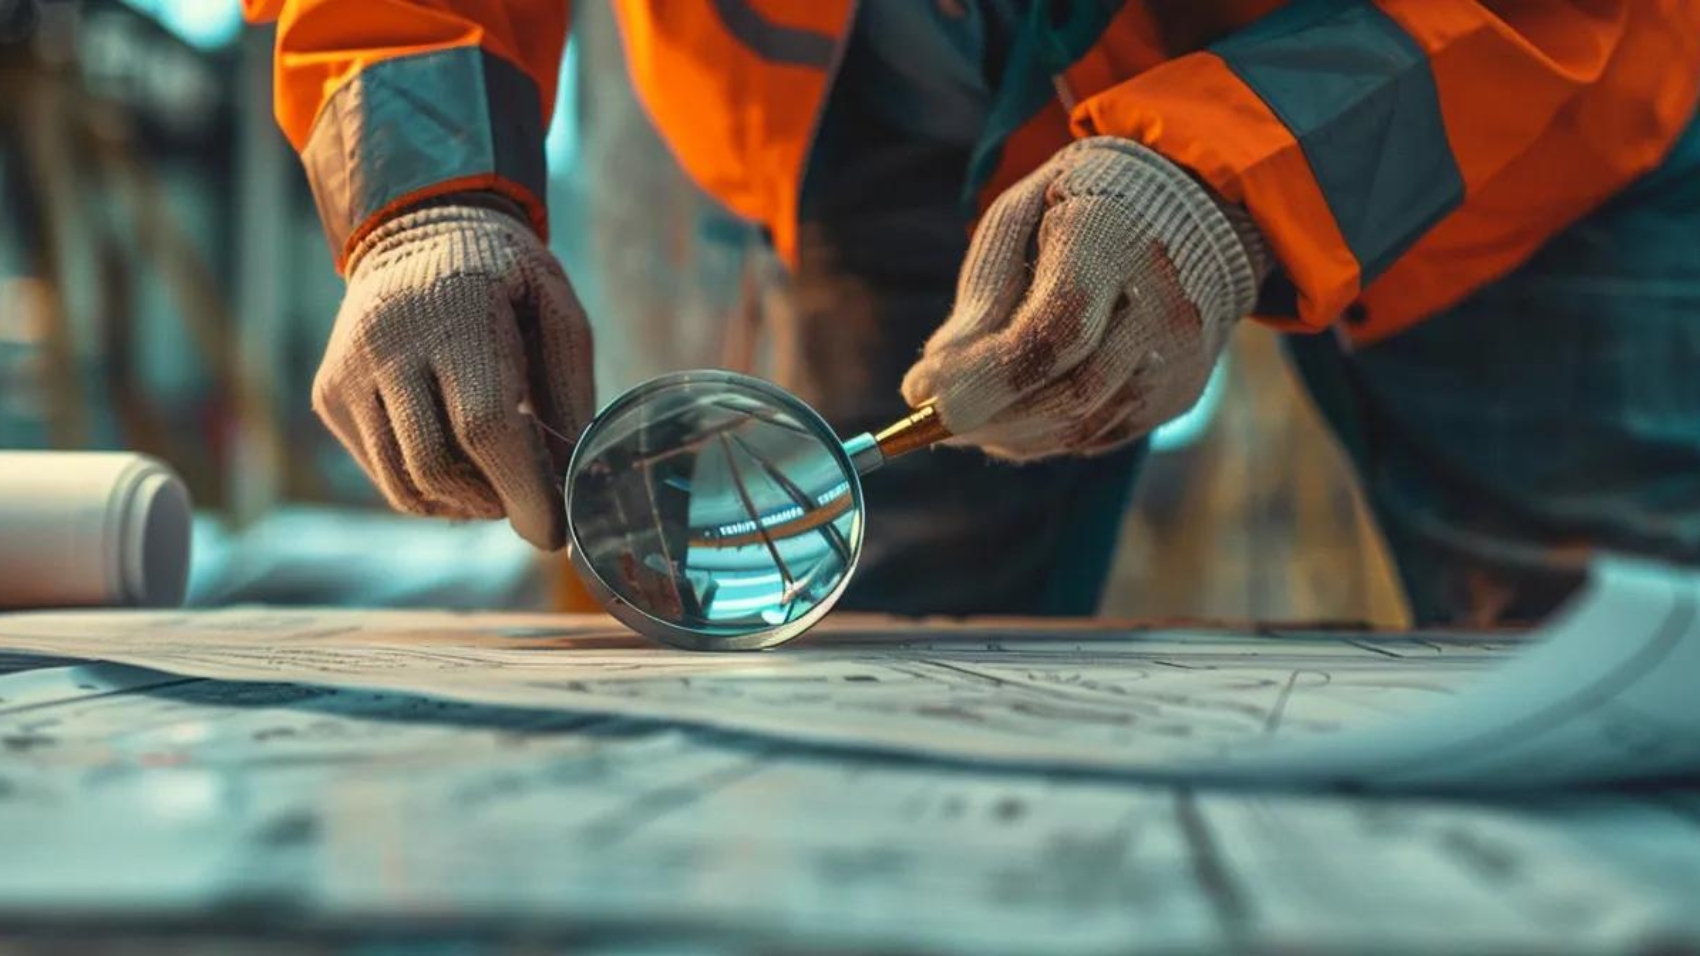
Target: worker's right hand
x=454 y=316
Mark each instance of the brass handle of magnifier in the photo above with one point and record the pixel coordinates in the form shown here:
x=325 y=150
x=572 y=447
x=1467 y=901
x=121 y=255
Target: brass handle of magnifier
x=921 y=428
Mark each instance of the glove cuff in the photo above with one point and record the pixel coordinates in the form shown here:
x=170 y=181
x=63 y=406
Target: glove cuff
x=481 y=212
x=1251 y=239
x=1217 y=250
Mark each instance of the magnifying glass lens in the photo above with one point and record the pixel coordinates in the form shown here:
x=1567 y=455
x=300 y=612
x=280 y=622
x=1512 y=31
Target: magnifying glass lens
x=723 y=511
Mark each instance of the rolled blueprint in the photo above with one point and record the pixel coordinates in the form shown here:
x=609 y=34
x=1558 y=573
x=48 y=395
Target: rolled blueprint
x=91 y=529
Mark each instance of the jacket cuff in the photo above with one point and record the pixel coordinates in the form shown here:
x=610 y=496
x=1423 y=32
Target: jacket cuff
x=414 y=128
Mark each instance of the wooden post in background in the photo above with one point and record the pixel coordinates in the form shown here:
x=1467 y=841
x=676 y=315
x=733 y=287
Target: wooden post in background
x=1262 y=519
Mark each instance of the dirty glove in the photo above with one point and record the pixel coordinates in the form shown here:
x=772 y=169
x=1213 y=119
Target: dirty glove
x=1112 y=329
x=456 y=314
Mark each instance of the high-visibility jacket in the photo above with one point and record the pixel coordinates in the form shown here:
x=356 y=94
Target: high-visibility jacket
x=1397 y=154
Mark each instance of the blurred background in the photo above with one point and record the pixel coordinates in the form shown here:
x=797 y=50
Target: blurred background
x=165 y=287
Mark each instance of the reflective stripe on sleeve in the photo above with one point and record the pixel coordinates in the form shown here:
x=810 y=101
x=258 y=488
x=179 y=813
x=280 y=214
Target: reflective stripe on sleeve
x=1359 y=96
x=405 y=125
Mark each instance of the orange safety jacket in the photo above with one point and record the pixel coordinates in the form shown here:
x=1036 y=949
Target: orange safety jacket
x=1397 y=154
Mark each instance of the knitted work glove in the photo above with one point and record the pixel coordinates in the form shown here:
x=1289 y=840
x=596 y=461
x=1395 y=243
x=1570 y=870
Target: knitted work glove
x=454 y=316
x=1112 y=329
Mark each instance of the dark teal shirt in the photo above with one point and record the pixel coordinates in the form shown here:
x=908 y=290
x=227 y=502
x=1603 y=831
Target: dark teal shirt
x=930 y=67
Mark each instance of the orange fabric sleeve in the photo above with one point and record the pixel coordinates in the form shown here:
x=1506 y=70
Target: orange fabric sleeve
x=1402 y=184
x=321 y=44
x=369 y=151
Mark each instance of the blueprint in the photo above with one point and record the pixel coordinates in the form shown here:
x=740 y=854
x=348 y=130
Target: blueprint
x=135 y=798
x=1601 y=694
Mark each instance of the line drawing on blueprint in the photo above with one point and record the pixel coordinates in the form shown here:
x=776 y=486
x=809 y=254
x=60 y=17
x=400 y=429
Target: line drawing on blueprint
x=1599 y=694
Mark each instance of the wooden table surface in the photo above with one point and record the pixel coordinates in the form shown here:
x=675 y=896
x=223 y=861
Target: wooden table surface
x=177 y=814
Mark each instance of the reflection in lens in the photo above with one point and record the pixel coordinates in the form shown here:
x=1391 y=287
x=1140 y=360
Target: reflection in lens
x=717 y=504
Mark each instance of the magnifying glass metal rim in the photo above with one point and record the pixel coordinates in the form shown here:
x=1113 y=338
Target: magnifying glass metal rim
x=676 y=635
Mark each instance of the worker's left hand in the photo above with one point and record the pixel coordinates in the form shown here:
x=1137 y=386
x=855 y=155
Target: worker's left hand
x=1095 y=298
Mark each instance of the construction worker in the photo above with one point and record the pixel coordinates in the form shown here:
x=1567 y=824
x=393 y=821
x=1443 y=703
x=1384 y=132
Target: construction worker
x=1489 y=207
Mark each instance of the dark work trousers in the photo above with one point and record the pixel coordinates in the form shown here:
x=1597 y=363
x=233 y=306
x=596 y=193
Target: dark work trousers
x=1550 y=416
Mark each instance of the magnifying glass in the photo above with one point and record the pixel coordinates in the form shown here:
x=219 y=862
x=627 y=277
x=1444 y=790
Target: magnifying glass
x=717 y=512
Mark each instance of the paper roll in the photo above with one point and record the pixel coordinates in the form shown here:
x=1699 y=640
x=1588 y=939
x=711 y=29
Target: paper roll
x=91 y=529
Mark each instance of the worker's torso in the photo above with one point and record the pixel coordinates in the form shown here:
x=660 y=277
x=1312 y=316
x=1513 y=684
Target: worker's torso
x=737 y=86
x=737 y=89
